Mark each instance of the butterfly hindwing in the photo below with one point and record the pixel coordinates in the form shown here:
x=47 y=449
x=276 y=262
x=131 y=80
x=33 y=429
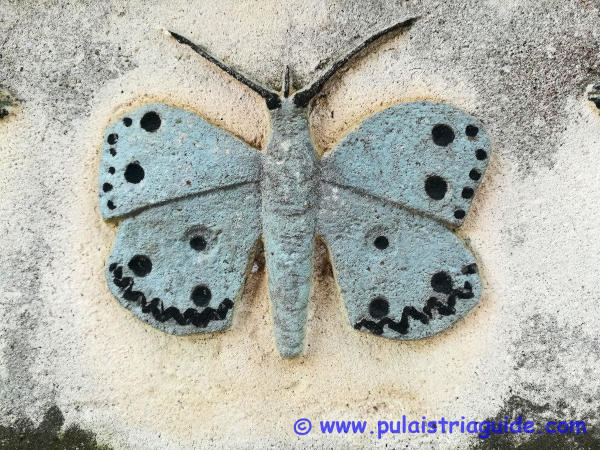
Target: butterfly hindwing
x=401 y=275
x=428 y=157
x=181 y=266
x=188 y=198
x=158 y=153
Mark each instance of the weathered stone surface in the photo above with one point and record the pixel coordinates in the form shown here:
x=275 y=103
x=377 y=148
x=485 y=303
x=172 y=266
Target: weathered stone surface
x=522 y=68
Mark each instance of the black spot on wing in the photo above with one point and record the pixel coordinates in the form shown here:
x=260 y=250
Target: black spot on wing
x=471 y=130
x=381 y=242
x=469 y=269
x=134 y=173
x=150 y=122
x=459 y=214
x=467 y=193
x=379 y=307
x=474 y=174
x=441 y=282
x=140 y=265
x=201 y=295
x=436 y=187
x=442 y=135
x=198 y=243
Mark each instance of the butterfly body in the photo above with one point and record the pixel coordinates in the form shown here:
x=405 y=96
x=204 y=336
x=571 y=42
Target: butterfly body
x=289 y=210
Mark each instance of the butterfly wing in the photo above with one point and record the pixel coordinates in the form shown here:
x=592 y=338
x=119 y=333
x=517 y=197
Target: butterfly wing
x=402 y=272
x=189 y=217
x=158 y=153
x=427 y=157
x=401 y=275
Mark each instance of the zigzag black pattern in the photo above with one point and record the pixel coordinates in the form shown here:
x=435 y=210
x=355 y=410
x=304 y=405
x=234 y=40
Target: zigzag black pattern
x=445 y=309
x=200 y=319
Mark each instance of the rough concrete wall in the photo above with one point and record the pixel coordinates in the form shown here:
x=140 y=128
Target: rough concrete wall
x=520 y=66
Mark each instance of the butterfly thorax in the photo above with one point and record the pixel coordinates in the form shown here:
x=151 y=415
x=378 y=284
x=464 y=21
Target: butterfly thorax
x=289 y=192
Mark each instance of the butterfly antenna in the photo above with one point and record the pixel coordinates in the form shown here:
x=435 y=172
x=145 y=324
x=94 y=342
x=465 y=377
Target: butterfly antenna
x=272 y=98
x=305 y=95
x=286 y=82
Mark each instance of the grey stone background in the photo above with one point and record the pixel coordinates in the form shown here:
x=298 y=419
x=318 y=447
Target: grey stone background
x=71 y=354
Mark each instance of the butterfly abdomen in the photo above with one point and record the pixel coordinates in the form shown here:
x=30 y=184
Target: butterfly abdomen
x=289 y=216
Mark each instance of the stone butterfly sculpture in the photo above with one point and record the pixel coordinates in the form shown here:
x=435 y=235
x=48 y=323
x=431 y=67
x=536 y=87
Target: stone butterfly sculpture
x=193 y=202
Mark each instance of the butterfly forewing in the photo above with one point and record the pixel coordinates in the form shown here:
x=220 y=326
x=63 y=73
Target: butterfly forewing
x=428 y=157
x=158 y=153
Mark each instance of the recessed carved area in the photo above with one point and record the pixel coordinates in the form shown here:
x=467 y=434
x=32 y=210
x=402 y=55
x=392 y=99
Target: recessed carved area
x=381 y=242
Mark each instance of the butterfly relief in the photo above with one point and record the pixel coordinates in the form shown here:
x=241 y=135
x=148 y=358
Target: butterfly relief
x=193 y=202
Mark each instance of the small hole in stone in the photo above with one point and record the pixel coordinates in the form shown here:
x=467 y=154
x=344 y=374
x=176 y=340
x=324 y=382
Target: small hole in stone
x=474 y=174
x=480 y=154
x=107 y=187
x=381 y=242
x=110 y=204
x=113 y=152
x=459 y=214
x=441 y=282
x=127 y=121
x=112 y=138
x=379 y=307
x=134 y=173
x=201 y=295
x=140 y=265
x=436 y=187
x=150 y=122
x=467 y=192
x=198 y=243
x=442 y=135
x=471 y=130
x=111 y=170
